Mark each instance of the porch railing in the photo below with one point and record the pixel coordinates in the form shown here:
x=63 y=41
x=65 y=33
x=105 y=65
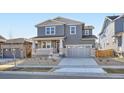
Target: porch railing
x=42 y=51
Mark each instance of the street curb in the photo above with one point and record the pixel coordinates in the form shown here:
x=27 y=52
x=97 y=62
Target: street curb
x=97 y=75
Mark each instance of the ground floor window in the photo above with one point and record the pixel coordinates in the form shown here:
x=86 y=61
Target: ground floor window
x=46 y=44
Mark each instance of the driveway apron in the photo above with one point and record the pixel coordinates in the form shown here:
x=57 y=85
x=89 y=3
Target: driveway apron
x=79 y=62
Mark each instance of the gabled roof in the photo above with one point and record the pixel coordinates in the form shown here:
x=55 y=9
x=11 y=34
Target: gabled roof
x=113 y=17
x=1 y=37
x=17 y=40
x=67 y=21
x=59 y=21
x=89 y=27
x=50 y=23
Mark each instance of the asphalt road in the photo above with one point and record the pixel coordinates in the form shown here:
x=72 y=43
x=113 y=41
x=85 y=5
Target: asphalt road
x=32 y=76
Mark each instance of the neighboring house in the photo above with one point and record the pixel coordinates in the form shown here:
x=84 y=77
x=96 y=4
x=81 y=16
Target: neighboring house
x=112 y=34
x=2 y=40
x=16 y=48
x=64 y=36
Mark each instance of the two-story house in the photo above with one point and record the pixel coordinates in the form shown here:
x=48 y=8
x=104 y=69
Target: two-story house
x=64 y=36
x=112 y=34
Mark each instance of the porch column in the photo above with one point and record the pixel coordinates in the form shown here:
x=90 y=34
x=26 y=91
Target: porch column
x=33 y=44
x=33 y=48
x=61 y=47
x=61 y=43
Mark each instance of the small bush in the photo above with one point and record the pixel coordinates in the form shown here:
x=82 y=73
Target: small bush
x=100 y=60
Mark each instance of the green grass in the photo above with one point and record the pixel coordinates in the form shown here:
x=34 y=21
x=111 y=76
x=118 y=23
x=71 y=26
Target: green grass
x=115 y=71
x=29 y=69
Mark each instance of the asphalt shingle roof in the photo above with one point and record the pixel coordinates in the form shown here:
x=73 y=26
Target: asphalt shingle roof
x=1 y=37
x=89 y=36
x=67 y=20
x=17 y=40
x=113 y=17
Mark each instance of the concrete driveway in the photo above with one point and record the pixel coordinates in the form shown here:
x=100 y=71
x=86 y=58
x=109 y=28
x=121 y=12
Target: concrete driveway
x=79 y=62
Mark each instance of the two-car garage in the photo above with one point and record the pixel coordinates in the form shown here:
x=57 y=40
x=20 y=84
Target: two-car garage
x=78 y=50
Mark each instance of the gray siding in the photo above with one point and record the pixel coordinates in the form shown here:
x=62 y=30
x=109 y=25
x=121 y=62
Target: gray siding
x=59 y=30
x=64 y=30
x=119 y=25
x=76 y=39
x=88 y=42
x=73 y=39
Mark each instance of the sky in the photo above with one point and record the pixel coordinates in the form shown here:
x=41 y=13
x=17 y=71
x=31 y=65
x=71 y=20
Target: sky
x=22 y=25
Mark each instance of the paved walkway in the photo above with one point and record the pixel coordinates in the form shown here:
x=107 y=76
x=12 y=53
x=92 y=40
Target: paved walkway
x=79 y=62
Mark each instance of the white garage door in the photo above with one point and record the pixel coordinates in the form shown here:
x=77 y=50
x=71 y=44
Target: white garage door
x=79 y=51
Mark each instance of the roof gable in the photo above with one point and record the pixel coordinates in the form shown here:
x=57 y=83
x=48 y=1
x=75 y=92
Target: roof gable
x=113 y=17
x=67 y=21
x=17 y=40
x=59 y=21
x=49 y=23
x=110 y=19
x=105 y=24
x=1 y=37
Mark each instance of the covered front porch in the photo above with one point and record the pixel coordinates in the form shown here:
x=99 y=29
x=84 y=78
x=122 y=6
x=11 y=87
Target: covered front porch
x=119 y=39
x=48 y=46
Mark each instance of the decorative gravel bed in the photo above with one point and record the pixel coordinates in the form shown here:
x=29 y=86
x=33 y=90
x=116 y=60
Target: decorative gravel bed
x=39 y=62
x=109 y=61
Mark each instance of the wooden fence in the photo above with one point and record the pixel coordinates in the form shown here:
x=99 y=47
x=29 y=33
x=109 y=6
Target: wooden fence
x=104 y=53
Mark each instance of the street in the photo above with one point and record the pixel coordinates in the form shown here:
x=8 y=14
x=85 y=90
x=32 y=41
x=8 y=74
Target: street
x=13 y=75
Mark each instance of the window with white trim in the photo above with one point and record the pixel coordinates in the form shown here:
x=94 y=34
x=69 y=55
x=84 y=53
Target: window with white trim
x=87 y=32
x=50 y=30
x=72 y=30
x=46 y=44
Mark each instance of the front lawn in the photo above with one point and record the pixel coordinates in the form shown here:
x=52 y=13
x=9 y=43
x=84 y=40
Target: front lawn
x=29 y=69
x=115 y=71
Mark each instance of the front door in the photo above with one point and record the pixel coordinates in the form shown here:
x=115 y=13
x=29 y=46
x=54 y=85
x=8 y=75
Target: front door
x=56 y=46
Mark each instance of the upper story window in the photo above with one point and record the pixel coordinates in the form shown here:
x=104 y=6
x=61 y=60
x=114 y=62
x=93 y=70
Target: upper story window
x=72 y=30
x=50 y=31
x=87 y=32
